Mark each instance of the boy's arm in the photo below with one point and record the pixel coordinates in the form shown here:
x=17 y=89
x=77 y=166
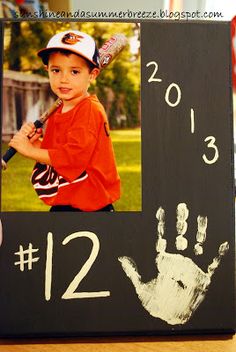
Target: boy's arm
x=30 y=147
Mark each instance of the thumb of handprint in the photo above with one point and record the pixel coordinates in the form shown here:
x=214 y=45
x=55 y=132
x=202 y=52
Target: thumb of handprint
x=180 y=285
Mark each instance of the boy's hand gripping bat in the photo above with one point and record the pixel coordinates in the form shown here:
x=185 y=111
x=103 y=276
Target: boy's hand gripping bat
x=108 y=52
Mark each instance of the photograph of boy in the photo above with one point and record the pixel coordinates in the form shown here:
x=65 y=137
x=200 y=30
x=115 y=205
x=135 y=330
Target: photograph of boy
x=75 y=166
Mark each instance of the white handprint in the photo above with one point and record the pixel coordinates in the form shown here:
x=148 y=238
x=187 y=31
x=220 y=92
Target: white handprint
x=180 y=285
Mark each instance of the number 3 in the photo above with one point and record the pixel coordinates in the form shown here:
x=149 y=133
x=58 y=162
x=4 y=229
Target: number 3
x=211 y=144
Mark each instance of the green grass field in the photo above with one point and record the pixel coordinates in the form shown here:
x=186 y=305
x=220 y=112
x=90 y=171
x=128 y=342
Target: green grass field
x=19 y=195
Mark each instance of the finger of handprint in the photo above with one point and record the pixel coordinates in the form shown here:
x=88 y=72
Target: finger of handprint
x=223 y=249
x=182 y=214
x=131 y=270
x=161 y=242
x=201 y=234
x=160 y=215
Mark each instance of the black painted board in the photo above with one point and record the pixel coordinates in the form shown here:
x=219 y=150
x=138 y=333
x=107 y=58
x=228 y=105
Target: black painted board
x=167 y=290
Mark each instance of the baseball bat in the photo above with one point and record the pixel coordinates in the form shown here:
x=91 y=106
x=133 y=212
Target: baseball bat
x=109 y=50
x=38 y=123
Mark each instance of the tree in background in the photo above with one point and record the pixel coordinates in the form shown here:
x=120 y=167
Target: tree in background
x=118 y=87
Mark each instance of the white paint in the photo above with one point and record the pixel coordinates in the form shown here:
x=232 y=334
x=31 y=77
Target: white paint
x=167 y=99
x=161 y=243
x=29 y=259
x=181 y=243
x=224 y=247
x=70 y=291
x=180 y=285
x=1 y=233
x=211 y=144
x=201 y=234
x=192 y=116
x=152 y=77
x=182 y=214
x=48 y=267
x=198 y=249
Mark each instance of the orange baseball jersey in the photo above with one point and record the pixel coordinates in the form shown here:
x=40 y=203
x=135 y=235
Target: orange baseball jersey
x=83 y=172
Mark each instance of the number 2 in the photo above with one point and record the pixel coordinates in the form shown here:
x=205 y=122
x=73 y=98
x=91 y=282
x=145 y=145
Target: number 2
x=70 y=291
x=152 y=77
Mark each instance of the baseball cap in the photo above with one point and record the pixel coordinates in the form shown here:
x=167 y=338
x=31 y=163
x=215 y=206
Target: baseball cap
x=75 y=41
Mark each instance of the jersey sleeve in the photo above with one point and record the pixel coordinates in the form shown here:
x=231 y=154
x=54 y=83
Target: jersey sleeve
x=72 y=154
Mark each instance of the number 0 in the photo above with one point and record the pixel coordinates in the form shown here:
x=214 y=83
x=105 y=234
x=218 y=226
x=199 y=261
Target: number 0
x=70 y=291
x=167 y=95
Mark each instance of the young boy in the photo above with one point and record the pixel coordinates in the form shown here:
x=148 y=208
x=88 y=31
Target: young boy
x=75 y=166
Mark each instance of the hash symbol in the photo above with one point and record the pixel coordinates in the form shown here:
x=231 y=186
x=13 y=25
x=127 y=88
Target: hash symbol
x=29 y=259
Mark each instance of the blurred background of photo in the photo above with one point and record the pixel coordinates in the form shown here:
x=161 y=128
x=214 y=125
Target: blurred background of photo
x=27 y=94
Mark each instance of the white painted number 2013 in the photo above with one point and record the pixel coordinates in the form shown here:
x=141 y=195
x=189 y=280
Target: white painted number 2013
x=176 y=89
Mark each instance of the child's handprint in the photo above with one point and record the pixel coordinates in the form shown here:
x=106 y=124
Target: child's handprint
x=180 y=285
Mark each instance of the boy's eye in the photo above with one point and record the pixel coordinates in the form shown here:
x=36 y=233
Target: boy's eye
x=75 y=72
x=55 y=70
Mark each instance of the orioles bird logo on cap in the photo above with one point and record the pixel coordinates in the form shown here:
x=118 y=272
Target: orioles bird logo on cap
x=71 y=38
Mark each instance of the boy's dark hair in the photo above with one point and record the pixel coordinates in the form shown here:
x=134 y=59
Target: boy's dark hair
x=45 y=57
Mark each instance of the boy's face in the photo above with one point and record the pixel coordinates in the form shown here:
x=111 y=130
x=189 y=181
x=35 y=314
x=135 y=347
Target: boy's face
x=69 y=77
